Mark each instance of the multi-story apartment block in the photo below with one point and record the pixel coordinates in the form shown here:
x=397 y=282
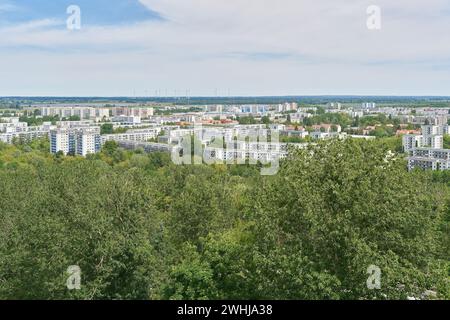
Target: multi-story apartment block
x=63 y=140
x=429 y=159
x=369 y=105
x=79 y=141
x=127 y=120
x=218 y=108
x=286 y=107
x=11 y=129
x=142 y=135
x=432 y=130
x=144 y=113
x=88 y=141
x=75 y=124
x=433 y=141
x=84 y=113
x=12 y=125
x=25 y=136
x=241 y=151
x=411 y=142
x=318 y=135
x=254 y=109
x=426 y=150
x=334 y=105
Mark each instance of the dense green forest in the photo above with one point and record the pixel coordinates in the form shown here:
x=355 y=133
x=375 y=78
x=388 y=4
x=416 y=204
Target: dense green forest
x=140 y=227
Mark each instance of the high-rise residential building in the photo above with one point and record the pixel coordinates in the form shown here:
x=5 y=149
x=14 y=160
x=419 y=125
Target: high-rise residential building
x=411 y=142
x=62 y=140
x=426 y=150
x=78 y=141
x=88 y=141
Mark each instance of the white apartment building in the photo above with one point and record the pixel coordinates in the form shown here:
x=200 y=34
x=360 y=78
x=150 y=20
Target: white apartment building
x=141 y=135
x=254 y=109
x=97 y=114
x=12 y=130
x=433 y=141
x=241 y=151
x=75 y=124
x=142 y=112
x=431 y=137
x=24 y=136
x=432 y=130
x=411 y=142
x=62 y=139
x=369 y=105
x=429 y=159
x=355 y=114
x=88 y=141
x=298 y=117
x=426 y=150
x=295 y=133
x=334 y=105
x=318 y=135
x=286 y=107
x=80 y=141
x=214 y=108
x=127 y=120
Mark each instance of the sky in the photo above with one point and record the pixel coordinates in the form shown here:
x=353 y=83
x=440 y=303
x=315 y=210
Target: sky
x=224 y=47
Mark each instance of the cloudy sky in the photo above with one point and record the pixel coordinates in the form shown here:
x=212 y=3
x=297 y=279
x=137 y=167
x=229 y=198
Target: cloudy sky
x=236 y=47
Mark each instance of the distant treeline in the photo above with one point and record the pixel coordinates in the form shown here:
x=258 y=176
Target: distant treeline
x=407 y=100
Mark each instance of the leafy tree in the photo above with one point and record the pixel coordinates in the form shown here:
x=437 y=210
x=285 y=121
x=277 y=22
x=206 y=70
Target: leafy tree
x=342 y=206
x=446 y=141
x=141 y=227
x=107 y=128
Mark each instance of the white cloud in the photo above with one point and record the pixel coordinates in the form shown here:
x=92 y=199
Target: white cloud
x=214 y=42
x=7 y=7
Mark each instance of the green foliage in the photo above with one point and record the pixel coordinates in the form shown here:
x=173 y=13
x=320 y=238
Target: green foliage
x=108 y=128
x=446 y=141
x=37 y=121
x=366 y=210
x=382 y=132
x=247 y=120
x=141 y=227
x=265 y=120
x=333 y=118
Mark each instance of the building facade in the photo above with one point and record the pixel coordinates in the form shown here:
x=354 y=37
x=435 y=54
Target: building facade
x=79 y=141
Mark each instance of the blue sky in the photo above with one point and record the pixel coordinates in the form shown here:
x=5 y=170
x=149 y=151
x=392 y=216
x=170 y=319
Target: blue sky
x=242 y=47
x=95 y=12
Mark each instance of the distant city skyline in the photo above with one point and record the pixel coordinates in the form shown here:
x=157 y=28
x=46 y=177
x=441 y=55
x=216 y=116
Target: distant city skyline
x=201 y=48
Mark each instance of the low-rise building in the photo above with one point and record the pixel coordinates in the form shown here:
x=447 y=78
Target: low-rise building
x=429 y=159
x=127 y=120
x=142 y=135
